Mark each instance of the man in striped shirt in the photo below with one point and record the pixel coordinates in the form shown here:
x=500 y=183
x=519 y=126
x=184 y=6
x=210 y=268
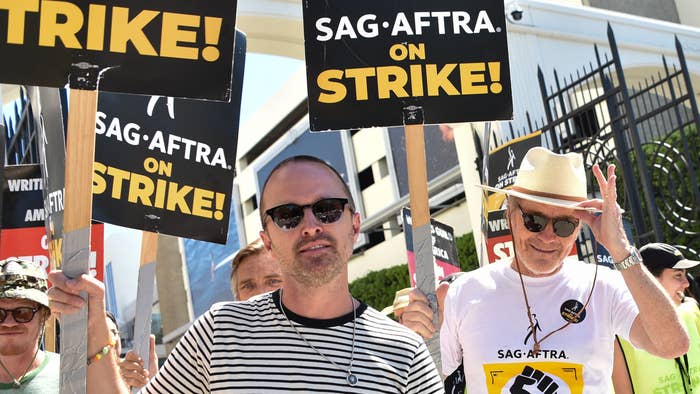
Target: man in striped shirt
x=312 y=336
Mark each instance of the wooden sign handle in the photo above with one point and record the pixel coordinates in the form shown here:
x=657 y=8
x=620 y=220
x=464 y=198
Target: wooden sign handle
x=420 y=220
x=80 y=153
x=144 y=296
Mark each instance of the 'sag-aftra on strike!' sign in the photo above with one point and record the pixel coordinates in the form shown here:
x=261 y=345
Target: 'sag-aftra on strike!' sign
x=368 y=61
x=177 y=48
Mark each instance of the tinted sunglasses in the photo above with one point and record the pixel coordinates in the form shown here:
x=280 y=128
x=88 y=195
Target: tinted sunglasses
x=326 y=211
x=22 y=314
x=563 y=226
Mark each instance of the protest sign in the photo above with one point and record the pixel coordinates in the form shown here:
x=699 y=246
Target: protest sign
x=143 y=50
x=368 y=61
x=444 y=248
x=23 y=202
x=165 y=164
x=165 y=47
x=47 y=115
x=23 y=233
x=31 y=244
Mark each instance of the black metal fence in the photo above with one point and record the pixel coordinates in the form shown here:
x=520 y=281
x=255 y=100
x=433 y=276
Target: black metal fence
x=650 y=131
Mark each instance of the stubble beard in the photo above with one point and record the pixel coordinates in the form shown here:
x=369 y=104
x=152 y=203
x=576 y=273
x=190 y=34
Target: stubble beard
x=317 y=271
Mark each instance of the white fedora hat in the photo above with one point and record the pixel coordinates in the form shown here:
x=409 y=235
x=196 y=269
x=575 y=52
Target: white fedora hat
x=549 y=178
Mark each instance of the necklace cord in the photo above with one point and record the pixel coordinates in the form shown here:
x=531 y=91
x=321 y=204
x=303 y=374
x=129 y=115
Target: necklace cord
x=352 y=379
x=536 y=345
x=18 y=382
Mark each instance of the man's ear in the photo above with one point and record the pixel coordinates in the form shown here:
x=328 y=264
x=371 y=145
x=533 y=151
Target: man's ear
x=266 y=240
x=356 y=224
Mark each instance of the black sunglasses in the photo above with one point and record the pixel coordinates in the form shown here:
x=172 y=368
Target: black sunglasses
x=326 y=211
x=563 y=226
x=23 y=314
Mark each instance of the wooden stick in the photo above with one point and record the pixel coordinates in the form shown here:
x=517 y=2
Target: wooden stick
x=80 y=151
x=420 y=219
x=417 y=174
x=144 y=298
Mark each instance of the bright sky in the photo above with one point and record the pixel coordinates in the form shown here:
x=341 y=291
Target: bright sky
x=263 y=75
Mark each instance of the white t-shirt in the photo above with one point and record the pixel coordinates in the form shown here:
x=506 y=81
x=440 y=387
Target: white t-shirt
x=486 y=325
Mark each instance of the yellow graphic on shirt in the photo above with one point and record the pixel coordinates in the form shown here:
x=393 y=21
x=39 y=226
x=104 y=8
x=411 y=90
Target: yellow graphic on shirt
x=534 y=378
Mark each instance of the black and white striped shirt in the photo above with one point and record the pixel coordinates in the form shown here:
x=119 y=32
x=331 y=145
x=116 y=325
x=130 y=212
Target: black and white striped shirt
x=249 y=347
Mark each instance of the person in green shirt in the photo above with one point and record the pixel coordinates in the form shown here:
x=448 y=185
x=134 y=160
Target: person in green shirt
x=650 y=374
x=24 y=308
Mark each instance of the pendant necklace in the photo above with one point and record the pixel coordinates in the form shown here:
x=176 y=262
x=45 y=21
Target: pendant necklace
x=16 y=383
x=351 y=378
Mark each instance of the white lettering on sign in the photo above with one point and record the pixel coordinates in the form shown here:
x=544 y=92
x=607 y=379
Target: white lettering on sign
x=165 y=143
x=24 y=185
x=367 y=26
x=33 y=215
x=503 y=250
x=54 y=201
x=498 y=225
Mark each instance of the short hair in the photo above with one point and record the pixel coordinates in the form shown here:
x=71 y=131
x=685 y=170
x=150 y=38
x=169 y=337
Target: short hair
x=656 y=270
x=113 y=318
x=254 y=248
x=302 y=159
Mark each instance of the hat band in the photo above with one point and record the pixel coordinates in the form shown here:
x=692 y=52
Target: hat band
x=547 y=195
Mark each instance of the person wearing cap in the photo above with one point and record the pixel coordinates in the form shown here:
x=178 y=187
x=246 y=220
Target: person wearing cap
x=651 y=374
x=24 y=309
x=534 y=323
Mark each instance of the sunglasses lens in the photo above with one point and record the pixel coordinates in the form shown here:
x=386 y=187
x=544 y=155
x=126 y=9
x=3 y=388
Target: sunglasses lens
x=286 y=217
x=3 y=315
x=328 y=210
x=23 y=315
x=564 y=227
x=534 y=223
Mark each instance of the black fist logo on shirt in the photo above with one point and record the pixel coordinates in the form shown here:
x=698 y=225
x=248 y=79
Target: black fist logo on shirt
x=532 y=381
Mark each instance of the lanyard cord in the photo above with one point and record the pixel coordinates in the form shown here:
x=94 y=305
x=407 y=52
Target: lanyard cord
x=536 y=343
x=685 y=373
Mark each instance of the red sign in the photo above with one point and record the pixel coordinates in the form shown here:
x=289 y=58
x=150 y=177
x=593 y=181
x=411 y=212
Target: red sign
x=31 y=243
x=501 y=247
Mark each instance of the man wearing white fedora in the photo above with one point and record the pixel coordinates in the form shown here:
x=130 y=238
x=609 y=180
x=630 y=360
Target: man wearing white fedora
x=538 y=322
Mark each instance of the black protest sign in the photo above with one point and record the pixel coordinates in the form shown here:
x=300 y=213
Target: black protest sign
x=52 y=154
x=368 y=62
x=166 y=47
x=503 y=164
x=23 y=202
x=443 y=246
x=166 y=165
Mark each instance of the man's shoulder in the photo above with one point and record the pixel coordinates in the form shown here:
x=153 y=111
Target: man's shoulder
x=380 y=326
x=257 y=306
x=484 y=274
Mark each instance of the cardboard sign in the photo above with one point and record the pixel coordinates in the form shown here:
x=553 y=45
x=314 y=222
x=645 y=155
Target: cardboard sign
x=503 y=164
x=369 y=61
x=166 y=47
x=167 y=165
x=23 y=202
x=444 y=248
x=23 y=232
x=52 y=155
x=32 y=244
